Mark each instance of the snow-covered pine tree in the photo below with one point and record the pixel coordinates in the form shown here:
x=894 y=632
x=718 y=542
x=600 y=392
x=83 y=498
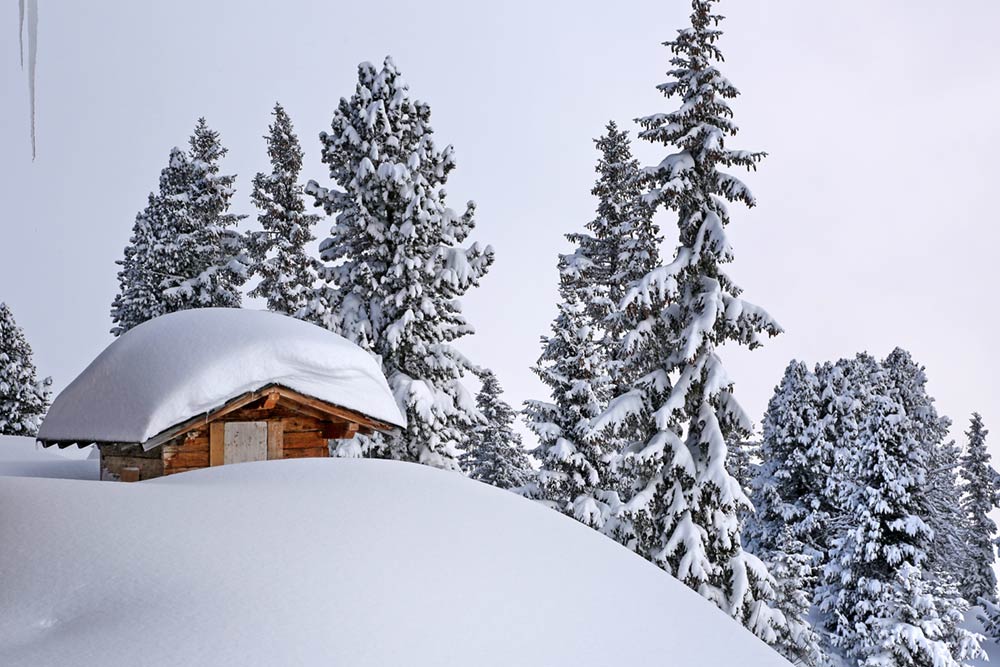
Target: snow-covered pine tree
x=495 y=454
x=881 y=610
x=182 y=253
x=287 y=272
x=23 y=398
x=796 y=462
x=842 y=388
x=139 y=296
x=942 y=497
x=946 y=518
x=573 y=473
x=788 y=529
x=620 y=248
x=208 y=250
x=794 y=573
x=396 y=264
x=684 y=511
x=146 y=262
x=979 y=498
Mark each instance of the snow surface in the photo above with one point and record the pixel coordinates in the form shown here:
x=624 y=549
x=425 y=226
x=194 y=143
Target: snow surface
x=180 y=365
x=333 y=562
x=24 y=457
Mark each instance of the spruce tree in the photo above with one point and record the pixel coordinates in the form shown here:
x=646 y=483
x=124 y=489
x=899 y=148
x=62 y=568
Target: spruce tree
x=946 y=518
x=573 y=473
x=395 y=264
x=23 y=399
x=287 y=273
x=794 y=573
x=620 y=247
x=796 y=462
x=941 y=496
x=881 y=609
x=495 y=455
x=582 y=362
x=182 y=253
x=146 y=265
x=978 y=500
x=788 y=529
x=683 y=512
x=208 y=249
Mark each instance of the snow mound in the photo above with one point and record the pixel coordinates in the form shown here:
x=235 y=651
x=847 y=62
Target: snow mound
x=24 y=457
x=333 y=562
x=180 y=365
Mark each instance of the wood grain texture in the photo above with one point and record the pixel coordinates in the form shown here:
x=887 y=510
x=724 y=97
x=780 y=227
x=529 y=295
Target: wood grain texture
x=216 y=443
x=275 y=440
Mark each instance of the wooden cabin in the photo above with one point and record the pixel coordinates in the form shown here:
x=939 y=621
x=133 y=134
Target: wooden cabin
x=272 y=423
x=169 y=396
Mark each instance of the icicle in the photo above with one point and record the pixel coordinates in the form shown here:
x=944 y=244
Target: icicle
x=20 y=30
x=32 y=58
x=29 y=10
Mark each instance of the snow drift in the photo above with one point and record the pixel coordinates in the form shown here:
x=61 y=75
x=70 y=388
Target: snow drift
x=332 y=562
x=180 y=365
x=23 y=457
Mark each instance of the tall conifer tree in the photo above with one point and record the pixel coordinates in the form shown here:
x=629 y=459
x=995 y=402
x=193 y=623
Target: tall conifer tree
x=287 y=273
x=23 y=398
x=940 y=496
x=980 y=497
x=395 y=264
x=620 y=247
x=208 y=250
x=788 y=528
x=573 y=473
x=581 y=361
x=880 y=607
x=788 y=491
x=683 y=513
x=183 y=252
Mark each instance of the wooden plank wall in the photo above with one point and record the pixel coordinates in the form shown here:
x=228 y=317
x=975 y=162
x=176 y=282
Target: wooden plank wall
x=302 y=437
x=116 y=457
x=186 y=453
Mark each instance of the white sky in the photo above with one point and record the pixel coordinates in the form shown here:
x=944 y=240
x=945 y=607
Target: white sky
x=874 y=221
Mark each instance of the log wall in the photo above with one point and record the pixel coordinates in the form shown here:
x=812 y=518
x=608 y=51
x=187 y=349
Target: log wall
x=189 y=452
x=116 y=457
x=302 y=437
x=299 y=437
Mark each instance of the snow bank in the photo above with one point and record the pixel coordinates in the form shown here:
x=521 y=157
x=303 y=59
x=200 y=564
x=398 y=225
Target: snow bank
x=333 y=562
x=24 y=457
x=178 y=366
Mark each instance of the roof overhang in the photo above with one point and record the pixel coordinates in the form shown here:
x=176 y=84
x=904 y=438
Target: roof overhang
x=270 y=397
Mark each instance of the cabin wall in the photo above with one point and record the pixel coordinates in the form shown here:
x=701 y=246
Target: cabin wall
x=188 y=452
x=302 y=438
x=114 y=458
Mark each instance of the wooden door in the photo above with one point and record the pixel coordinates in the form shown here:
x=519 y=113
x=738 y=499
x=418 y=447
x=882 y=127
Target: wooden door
x=244 y=442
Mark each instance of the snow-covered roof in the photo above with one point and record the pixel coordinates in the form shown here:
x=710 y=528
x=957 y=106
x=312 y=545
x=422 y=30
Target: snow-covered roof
x=184 y=364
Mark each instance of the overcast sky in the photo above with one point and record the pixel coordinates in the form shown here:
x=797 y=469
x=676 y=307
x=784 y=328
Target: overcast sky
x=874 y=226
